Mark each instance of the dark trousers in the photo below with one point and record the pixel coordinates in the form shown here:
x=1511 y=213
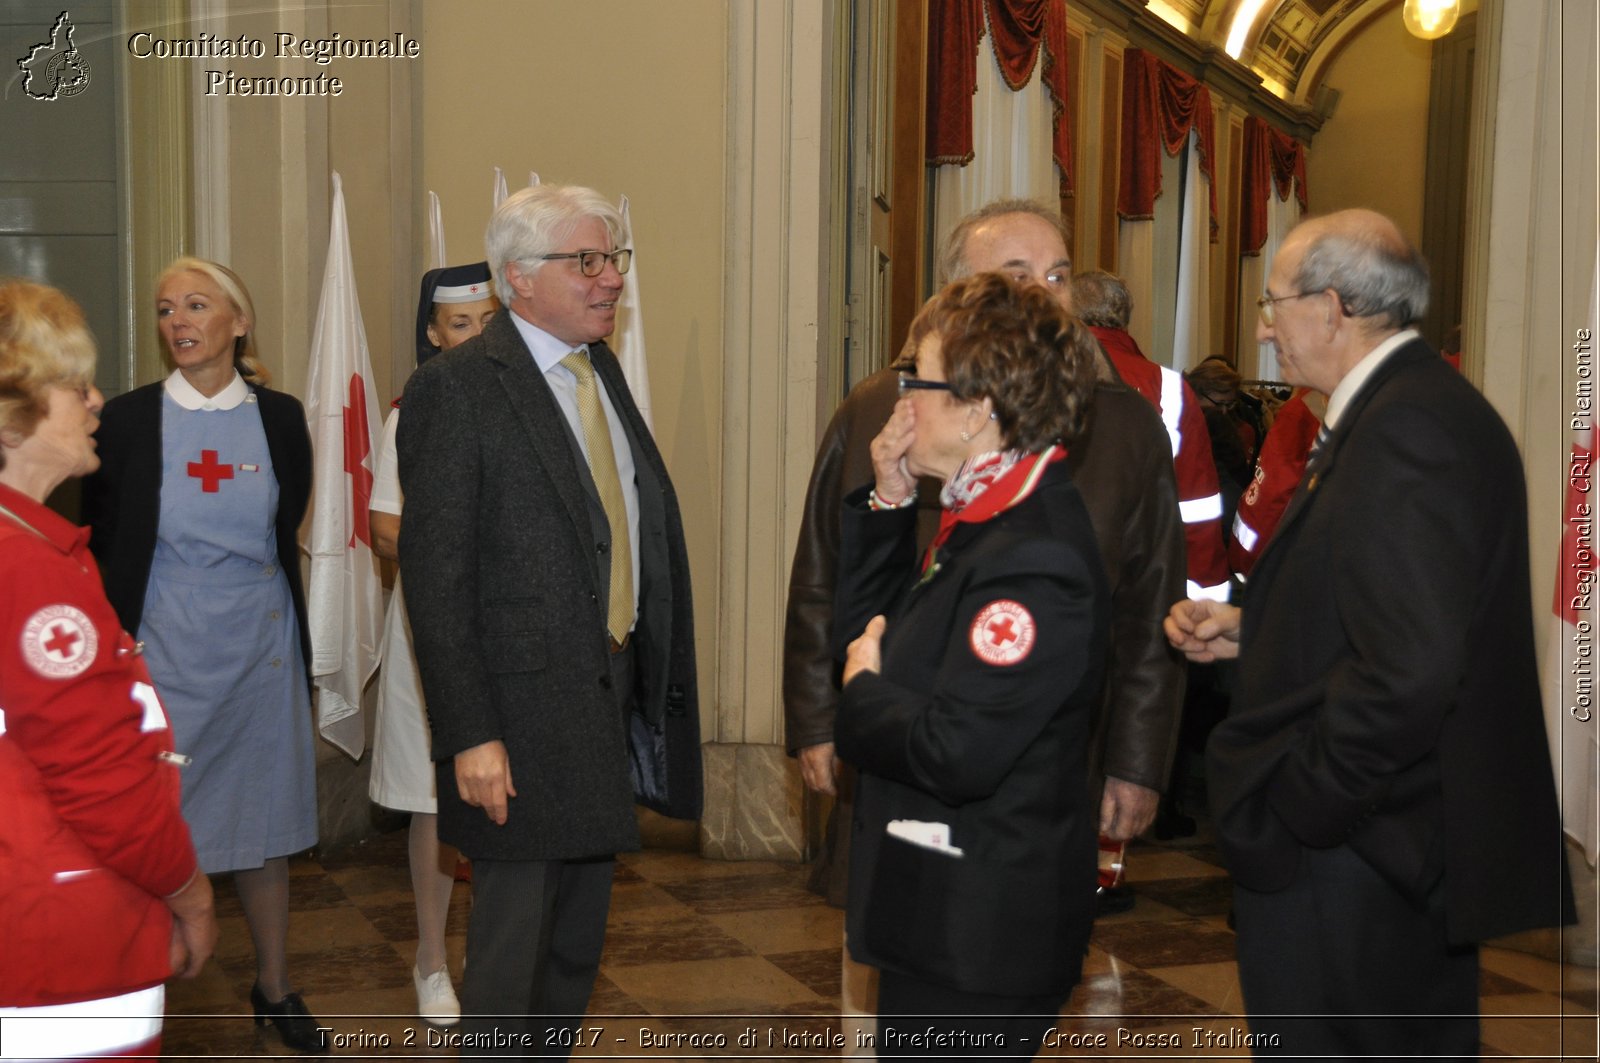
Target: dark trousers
x=534 y=940
x=1340 y=965
x=963 y=1024
x=533 y=951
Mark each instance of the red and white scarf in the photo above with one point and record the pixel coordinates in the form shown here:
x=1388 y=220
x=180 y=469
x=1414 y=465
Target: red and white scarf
x=987 y=485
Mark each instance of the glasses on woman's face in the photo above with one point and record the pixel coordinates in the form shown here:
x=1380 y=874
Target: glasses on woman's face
x=593 y=263
x=910 y=382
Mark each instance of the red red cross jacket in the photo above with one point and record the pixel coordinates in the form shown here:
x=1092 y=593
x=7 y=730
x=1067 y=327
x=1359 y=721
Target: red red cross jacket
x=1278 y=469
x=1199 y=500
x=91 y=838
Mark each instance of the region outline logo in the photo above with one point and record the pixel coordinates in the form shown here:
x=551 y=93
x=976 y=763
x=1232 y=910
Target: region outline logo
x=55 y=69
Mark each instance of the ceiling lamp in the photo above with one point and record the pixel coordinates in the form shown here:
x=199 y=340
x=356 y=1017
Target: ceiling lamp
x=1430 y=19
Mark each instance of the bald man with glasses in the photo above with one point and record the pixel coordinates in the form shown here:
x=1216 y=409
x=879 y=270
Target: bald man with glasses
x=1381 y=788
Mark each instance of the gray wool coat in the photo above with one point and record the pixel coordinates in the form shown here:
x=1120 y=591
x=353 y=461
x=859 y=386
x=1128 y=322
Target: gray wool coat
x=506 y=586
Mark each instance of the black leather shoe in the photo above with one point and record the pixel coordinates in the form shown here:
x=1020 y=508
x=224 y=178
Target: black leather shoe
x=296 y=1025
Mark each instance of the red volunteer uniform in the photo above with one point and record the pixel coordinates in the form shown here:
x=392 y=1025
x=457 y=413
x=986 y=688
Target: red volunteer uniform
x=91 y=839
x=1199 y=500
x=1279 y=467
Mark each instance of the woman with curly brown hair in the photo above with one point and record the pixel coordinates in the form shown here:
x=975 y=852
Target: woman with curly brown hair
x=968 y=695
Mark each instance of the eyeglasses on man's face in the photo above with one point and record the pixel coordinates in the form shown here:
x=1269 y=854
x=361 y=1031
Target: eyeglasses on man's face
x=593 y=263
x=909 y=381
x=1265 y=304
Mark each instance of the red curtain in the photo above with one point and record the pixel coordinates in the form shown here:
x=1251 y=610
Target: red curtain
x=1019 y=29
x=1160 y=105
x=1274 y=163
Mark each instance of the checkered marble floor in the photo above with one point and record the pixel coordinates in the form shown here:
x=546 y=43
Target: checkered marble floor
x=704 y=947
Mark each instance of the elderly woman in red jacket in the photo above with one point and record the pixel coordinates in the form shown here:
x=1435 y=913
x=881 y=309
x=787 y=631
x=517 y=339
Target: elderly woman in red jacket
x=103 y=898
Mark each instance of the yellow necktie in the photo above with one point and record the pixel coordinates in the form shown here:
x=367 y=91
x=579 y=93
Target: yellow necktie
x=603 y=469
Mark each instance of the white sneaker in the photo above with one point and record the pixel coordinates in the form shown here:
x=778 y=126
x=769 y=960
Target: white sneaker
x=436 y=997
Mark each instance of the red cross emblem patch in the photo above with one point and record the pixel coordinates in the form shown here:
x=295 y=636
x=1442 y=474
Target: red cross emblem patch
x=59 y=642
x=1003 y=633
x=210 y=472
x=1252 y=494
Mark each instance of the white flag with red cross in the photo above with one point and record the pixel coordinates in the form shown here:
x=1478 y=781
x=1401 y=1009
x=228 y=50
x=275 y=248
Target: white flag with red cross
x=345 y=594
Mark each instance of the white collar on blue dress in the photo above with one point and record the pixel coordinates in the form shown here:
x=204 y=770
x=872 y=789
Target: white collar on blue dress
x=188 y=396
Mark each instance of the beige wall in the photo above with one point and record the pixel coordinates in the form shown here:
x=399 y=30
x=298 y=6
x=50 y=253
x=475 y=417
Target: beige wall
x=626 y=97
x=278 y=186
x=1371 y=152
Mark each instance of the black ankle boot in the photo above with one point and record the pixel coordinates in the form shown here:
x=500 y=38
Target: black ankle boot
x=296 y=1025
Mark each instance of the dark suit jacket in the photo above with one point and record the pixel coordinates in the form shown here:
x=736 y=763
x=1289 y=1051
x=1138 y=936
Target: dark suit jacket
x=122 y=500
x=506 y=577
x=996 y=751
x=1388 y=697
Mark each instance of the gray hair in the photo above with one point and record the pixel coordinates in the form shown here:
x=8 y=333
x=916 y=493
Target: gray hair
x=535 y=222
x=1374 y=275
x=1101 y=299
x=953 y=252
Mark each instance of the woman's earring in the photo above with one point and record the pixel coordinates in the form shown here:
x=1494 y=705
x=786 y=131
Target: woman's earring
x=966 y=436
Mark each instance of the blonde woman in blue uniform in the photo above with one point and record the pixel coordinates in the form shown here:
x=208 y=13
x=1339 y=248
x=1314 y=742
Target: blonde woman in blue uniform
x=455 y=304
x=204 y=480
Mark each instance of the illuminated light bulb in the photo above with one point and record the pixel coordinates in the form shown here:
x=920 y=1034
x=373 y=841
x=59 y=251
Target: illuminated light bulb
x=1430 y=19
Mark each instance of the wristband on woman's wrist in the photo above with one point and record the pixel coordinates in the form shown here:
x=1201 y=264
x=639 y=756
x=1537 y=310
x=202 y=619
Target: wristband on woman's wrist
x=875 y=501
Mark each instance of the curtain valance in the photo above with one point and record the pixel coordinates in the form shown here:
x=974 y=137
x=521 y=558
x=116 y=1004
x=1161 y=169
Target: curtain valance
x=1024 y=32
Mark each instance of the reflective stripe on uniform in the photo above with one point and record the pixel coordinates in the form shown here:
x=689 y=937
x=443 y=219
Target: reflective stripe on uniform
x=1217 y=592
x=1246 y=535
x=89 y=1027
x=1196 y=510
x=1172 y=406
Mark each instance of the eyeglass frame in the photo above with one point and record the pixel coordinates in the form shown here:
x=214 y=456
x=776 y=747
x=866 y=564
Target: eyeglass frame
x=621 y=258
x=1264 y=304
x=909 y=381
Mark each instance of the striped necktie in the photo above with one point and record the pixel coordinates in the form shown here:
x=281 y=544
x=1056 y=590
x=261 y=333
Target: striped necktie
x=1321 y=441
x=603 y=469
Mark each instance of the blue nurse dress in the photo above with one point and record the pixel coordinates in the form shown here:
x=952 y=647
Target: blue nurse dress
x=223 y=642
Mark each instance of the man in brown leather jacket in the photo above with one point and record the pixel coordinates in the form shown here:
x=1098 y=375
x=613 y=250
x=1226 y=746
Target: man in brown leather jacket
x=1122 y=466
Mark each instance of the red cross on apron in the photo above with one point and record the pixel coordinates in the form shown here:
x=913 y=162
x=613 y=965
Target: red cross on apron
x=209 y=472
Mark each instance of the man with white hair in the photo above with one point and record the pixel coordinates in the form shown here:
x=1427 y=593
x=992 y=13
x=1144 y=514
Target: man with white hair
x=548 y=588
x=1381 y=789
